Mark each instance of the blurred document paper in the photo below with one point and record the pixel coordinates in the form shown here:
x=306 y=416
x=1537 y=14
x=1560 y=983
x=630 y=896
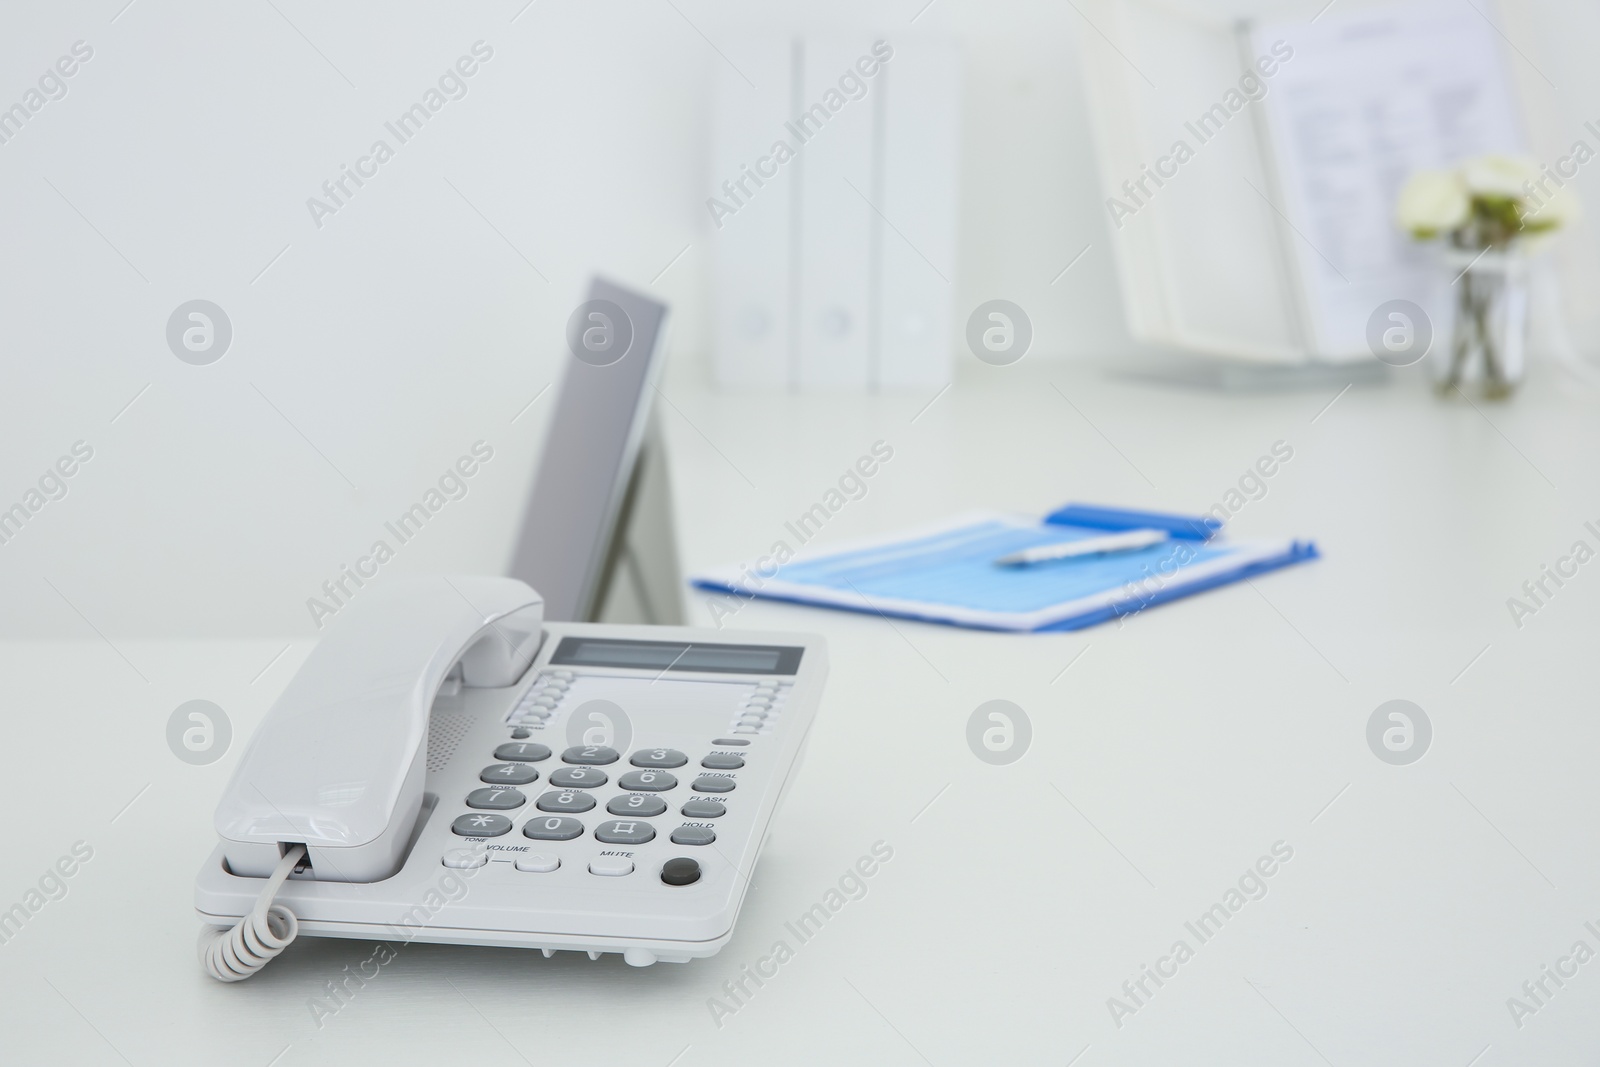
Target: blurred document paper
x=1371 y=96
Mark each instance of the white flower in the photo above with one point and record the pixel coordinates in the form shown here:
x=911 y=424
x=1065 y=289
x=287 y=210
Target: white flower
x=1432 y=201
x=1499 y=175
x=1560 y=209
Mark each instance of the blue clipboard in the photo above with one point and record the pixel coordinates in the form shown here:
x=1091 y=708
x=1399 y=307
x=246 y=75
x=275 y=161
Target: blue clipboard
x=947 y=574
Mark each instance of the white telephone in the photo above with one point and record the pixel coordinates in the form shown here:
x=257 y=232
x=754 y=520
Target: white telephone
x=446 y=768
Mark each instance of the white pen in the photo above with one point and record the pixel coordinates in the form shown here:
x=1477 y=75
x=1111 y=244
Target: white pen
x=1088 y=546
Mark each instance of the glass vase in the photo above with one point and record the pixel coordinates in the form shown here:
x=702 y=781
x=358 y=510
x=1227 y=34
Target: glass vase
x=1489 y=323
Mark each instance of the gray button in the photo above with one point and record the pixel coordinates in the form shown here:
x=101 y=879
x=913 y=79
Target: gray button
x=509 y=774
x=693 y=835
x=731 y=742
x=593 y=755
x=713 y=783
x=496 y=799
x=568 y=801
x=552 y=828
x=624 y=832
x=723 y=761
x=658 y=757
x=648 y=781
x=481 y=825
x=521 y=732
x=579 y=777
x=642 y=806
x=526 y=752
x=702 y=809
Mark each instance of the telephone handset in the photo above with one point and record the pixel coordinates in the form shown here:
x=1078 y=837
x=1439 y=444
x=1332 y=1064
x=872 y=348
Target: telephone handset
x=403 y=755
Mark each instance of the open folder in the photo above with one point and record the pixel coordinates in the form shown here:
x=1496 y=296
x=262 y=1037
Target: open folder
x=948 y=573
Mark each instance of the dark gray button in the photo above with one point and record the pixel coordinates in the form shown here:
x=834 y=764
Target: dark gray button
x=730 y=742
x=481 y=825
x=680 y=871
x=521 y=732
x=723 y=761
x=636 y=805
x=693 y=835
x=648 y=781
x=509 y=774
x=526 y=752
x=624 y=832
x=497 y=799
x=569 y=801
x=552 y=828
x=580 y=777
x=658 y=757
x=712 y=783
x=703 y=809
x=593 y=755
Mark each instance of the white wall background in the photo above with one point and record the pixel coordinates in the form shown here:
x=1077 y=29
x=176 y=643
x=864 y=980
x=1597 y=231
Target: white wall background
x=428 y=311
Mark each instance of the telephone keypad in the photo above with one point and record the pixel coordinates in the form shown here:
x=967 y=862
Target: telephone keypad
x=625 y=832
x=636 y=804
x=647 y=781
x=591 y=755
x=481 y=825
x=568 y=801
x=578 y=777
x=658 y=757
x=529 y=752
x=509 y=774
x=497 y=799
x=552 y=828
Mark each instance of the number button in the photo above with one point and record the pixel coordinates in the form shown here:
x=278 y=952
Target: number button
x=553 y=828
x=637 y=805
x=569 y=801
x=481 y=825
x=658 y=757
x=591 y=755
x=530 y=752
x=496 y=799
x=509 y=774
x=647 y=781
x=723 y=761
x=577 y=778
x=624 y=832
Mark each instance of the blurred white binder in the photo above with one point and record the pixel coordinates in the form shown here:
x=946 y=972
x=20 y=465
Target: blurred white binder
x=835 y=273
x=1275 y=241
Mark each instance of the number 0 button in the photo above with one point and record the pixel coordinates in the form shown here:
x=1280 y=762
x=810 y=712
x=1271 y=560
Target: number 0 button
x=553 y=828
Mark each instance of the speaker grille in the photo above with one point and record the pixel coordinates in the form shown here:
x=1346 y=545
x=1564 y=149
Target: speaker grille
x=445 y=731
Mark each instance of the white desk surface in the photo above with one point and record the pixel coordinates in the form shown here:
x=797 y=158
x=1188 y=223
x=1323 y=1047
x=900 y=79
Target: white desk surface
x=1168 y=755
